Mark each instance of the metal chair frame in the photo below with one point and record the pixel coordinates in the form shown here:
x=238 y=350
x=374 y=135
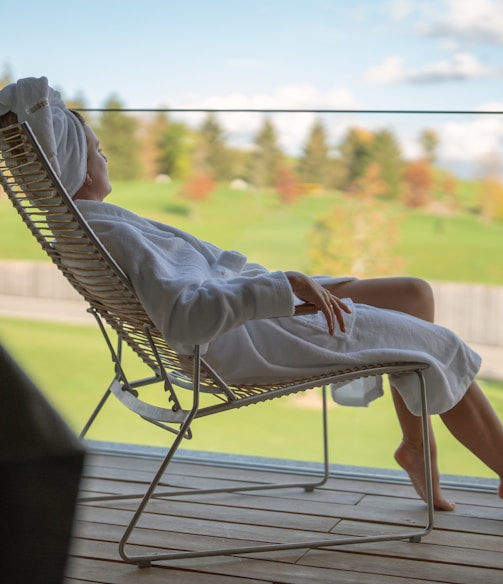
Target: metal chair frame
x=44 y=205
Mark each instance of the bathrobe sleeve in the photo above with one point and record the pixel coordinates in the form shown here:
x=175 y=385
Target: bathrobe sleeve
x=192 y=291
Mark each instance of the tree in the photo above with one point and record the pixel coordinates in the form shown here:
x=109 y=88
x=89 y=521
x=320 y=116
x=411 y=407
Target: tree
x=210 y=152
x=370 y=185
x=149 y=133
x=266 y=158
x=385 y=151
x=355 y=155
x=429 y=142
x=314 y=164
x=172 y=156
x=491 y=199
x=287 y=184
x=357 y=236
x=491 y=189
x=418 y=180
x=197 y=187
x=119 y=141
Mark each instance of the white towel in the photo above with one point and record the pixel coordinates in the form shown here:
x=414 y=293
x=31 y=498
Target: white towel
x=358 y=392
x=192 y=290
x=60 y=134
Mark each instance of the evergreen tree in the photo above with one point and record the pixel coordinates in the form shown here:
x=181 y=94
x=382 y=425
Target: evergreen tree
x=119 y=141
x=385 y=151
x=172 y=148
x=355 y=156
x=314 y=164
x=266 y=158
x=210 y=154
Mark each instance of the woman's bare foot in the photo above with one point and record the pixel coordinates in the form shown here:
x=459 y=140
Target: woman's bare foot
x=410 y=458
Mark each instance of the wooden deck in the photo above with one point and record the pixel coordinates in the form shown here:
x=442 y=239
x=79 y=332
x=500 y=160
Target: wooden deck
x=466 y=545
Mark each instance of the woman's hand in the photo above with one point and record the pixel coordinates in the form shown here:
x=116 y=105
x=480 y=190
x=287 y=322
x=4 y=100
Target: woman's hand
x=306 y=289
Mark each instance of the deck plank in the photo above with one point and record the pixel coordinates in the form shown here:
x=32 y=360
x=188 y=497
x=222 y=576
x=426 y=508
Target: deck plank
x=464 y=547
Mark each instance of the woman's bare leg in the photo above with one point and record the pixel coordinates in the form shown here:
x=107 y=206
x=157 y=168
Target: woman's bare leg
x=412 y=296
x=410 y=454
x=475 y=424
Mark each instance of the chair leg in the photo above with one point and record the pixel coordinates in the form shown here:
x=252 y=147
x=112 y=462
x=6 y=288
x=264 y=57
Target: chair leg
x=326 y=456
x=144 y=560
x=116 y=355
x=427 y=462
x=95 y=413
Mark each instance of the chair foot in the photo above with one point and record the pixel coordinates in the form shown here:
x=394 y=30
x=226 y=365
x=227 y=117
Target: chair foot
x=144 y=564
x=415 y=539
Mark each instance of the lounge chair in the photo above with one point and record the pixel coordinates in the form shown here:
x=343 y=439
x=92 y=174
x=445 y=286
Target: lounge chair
x=190 y=389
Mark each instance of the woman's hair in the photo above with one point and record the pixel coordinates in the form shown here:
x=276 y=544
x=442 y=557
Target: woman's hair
x=79 y=116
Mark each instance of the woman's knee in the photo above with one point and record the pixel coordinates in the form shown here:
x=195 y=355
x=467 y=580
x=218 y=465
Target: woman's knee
x=420 y=296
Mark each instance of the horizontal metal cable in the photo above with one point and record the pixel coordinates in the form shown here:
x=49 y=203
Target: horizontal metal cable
x=294 y=111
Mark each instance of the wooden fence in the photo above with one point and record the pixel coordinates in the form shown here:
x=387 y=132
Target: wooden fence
x=473 y=311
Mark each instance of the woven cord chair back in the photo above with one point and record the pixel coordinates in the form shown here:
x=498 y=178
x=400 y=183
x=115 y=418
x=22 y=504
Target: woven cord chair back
x=50 y=214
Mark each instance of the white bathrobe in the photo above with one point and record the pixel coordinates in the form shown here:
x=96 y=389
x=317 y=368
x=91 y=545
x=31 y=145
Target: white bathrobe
x=241 y=315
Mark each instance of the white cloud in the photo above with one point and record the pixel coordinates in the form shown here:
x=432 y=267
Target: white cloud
x=391 y=70
x=292 y=128
x=461 y=66
x=471 y=141
x=472 y=20
x=462 y=143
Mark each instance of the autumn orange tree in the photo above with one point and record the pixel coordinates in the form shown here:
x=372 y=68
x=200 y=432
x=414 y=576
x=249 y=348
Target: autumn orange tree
x=287 y=184
x=197 y=187
x=418 y=182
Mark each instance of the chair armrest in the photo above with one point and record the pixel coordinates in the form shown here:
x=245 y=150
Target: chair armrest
x=306 y=308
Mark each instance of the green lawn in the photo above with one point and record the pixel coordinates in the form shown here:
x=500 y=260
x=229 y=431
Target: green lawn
x=459 y=248
x=70 y=366
x=462 y=247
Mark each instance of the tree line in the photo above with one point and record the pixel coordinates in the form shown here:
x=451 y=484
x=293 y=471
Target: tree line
x=201 y=157
x=363 y=163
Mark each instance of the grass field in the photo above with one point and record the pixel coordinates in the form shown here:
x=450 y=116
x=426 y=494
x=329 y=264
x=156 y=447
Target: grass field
x=69 y=365
x=464 y=247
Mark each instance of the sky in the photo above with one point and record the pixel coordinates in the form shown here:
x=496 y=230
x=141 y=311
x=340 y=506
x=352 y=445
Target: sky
x=282 y=54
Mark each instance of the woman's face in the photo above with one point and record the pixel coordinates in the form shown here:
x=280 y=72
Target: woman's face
x=97 y=183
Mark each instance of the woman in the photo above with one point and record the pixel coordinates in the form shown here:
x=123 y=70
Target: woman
x=196 y=293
